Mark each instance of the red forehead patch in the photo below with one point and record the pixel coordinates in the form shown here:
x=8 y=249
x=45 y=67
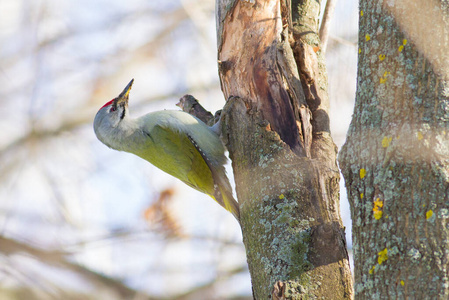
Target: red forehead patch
x=107 y=103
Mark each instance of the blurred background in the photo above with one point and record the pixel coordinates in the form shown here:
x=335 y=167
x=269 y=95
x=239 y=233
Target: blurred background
x=81 y=221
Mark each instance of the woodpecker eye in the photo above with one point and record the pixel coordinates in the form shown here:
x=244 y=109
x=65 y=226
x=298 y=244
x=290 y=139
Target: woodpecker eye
x=112 y=109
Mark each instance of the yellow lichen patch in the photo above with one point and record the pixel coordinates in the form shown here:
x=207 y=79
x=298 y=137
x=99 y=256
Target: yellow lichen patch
x=361 y=195
x=383 y=79
x=281 y=196
x=401 y=47
x=362 y=173
x=360 y=50
x=361 y=13
x=377 y=209
x=381 y=57
x=386 y=141
x=402 y=282
x=377 y=214
x=383 y=256
x=429 y=214
x=419 y=135
x=367 y=37
x=371 y=271
x=378 y=203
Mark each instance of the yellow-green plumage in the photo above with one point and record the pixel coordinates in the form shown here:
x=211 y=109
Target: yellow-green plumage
x=175 y=142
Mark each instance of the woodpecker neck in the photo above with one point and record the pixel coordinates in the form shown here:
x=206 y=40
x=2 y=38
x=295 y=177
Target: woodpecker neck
x=121 y=137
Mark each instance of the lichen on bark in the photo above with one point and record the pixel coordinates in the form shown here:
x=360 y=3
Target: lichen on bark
x=276 y=127
x=395 y=163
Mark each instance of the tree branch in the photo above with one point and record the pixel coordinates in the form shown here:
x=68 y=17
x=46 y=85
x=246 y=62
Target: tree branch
x=58 y=258
x=324 y=29
x=190 y=105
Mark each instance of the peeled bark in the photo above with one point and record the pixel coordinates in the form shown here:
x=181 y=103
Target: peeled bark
x=395 y=159
x=276 y=127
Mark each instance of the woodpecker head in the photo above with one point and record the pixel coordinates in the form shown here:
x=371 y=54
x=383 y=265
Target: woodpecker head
x=111 y=115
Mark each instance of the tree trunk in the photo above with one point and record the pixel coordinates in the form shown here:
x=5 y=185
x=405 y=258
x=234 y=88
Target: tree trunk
x=395 y=159
x=276 y=128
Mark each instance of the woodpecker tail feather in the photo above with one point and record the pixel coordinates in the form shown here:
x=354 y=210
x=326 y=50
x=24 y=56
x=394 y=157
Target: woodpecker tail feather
x=222 y=188
x=223 y=195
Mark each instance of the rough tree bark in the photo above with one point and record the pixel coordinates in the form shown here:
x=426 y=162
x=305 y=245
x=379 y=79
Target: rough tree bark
x=396 y=157
x=276 y=128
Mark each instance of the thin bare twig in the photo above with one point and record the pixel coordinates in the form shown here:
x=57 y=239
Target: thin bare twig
x=60 y=258
x=324 y=29
x=208 y=288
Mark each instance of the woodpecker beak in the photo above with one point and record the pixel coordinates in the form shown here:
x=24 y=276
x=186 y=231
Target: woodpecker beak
x=122 y=99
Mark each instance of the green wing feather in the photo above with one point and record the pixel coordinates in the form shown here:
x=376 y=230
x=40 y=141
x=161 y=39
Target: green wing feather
x=222 y=187
x=176 y=152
